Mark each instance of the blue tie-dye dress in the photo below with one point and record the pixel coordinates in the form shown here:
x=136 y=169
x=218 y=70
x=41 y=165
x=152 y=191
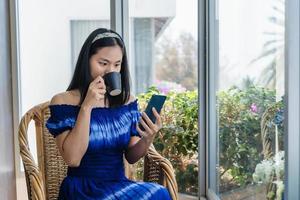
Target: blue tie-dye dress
x=101 y=172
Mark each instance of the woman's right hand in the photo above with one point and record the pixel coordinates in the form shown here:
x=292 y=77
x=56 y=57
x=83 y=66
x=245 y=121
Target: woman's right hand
x=96 y=93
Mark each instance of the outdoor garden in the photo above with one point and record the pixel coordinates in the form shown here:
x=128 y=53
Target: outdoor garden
x=250 y=138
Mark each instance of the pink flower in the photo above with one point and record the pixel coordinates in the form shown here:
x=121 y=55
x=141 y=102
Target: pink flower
x=254 y=108
x=165 y=87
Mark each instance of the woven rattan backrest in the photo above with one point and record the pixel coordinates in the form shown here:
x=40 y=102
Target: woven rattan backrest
x=52 y=164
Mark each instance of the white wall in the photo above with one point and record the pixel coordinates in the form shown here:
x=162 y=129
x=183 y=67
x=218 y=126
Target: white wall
x=45 y=43
x=45 y=49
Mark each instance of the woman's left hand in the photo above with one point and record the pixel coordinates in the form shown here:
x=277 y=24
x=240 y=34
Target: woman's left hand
x=151 y=129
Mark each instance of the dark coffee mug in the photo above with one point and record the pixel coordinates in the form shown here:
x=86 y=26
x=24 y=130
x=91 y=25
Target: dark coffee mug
x=113 y=83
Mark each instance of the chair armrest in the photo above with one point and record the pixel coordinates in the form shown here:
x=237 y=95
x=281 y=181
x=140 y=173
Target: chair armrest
x=159 y=169
x=34 y=178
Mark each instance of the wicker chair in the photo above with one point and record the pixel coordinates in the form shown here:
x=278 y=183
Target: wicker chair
x=268 y=140
x=43 y=180
x=268 y=129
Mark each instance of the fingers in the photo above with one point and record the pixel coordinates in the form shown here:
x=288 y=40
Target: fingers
x=158 y=118
x=98 y=82
x=100 y=85
x=147 y=135
x=101 y=91
x=142 y=133
x=97 y=86
x=99 y=96
x=145 y=125
x=148 y=120
x=153 y=127
x=98 y=79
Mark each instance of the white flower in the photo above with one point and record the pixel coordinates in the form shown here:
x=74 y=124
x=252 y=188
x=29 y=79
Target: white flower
x=266 y=169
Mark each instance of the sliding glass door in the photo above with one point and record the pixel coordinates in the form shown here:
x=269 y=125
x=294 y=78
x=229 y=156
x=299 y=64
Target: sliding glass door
x=163 y=59
x=246 y=152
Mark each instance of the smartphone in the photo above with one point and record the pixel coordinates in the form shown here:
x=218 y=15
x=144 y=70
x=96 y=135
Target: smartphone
x=156 y=101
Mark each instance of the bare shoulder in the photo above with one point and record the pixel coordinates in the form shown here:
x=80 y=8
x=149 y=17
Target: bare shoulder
x=67 y=97
x=59 y=98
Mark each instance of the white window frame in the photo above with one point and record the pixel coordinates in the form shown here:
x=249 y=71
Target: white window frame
x=292 y=114
x=16 y=85
x=202 y=98
x=211 y=85
x=292 y=94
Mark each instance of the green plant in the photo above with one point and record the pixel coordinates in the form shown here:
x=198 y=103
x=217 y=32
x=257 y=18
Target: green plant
x=240 y=114
x=239 y=134
x=179 y=136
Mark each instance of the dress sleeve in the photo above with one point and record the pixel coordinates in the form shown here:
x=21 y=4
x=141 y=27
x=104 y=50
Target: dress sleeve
x=60 y=120
x=135 y=113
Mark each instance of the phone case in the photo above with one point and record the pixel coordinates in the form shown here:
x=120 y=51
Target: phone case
x=156 y=101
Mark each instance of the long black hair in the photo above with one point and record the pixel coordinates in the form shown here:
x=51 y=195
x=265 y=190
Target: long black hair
x=82 y=75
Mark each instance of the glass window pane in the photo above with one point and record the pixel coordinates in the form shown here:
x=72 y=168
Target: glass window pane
x=250 y=89
x=163 y=58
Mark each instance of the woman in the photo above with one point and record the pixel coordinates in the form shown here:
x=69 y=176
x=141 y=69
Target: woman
x=93 y=129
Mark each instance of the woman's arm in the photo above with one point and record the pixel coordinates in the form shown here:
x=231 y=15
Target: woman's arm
x=137 y=147
x=73 y=144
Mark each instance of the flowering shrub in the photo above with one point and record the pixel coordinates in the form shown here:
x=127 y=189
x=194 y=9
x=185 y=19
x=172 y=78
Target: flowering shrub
x=179 y=139
x=239 y=135
x=240 y=144
x=164 y=87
